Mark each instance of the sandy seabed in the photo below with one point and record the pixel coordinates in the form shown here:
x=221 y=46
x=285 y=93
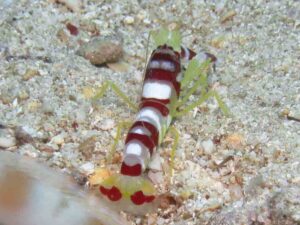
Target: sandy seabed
x=241 y=169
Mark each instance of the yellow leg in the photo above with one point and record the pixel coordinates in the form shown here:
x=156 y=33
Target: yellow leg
x=194 y=70
x=120 y=127
x=200 y=82
x=175 y=133
x=118 y=92
x=202 y=99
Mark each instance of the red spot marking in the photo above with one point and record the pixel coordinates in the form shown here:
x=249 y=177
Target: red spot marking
x=157 y=105
x=72 y=29
x=104 y=190
x=135 y=170
x=152 y=129
x=113 y=194
x=150 y=198
x=145 y=139
x=139 y=198
x=163 y=75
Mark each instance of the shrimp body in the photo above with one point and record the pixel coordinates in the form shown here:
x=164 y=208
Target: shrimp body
x=130 y=189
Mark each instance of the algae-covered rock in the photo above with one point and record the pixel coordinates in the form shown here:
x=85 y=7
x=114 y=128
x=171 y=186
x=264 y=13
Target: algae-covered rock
x=101 y=50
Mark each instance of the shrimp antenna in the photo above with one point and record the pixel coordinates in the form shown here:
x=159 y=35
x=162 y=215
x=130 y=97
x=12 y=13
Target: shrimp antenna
x=147 y=51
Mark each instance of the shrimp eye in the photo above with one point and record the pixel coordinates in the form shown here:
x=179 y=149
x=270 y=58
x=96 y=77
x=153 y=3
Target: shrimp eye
x=113 y=193
x=139 y=198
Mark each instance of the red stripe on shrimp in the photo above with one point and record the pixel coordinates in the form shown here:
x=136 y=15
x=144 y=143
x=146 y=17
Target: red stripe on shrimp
x=163 y=75
x=163 y=101
x=166 y=54
x=187 y=54
x=150 y=127
x=143 y=138
x=135 y=170
x=157 y=104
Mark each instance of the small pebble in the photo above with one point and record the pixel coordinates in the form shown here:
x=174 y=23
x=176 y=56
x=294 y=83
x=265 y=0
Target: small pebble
x=254 y=184
x=218 y=42
x=58 y=139
x=87 y=168
x=15 y=103
x=22 y=137
x=62 y=36
x=102 y=50
x=72 y=29
x=5 y=98
x=23 y=94
x=147 y=21
x=34 y=105
x=228 y=16
x=7 y=138
x=208 y=146
x=90 y=26
x=88 y=92
x=73 y=5
x=87 y=147
x=234 y=140
x=155 y=163
x=160 y=221
x=45 y=148
x=141 y=15
x=214 y=205
x=107 y=124
x=47 y=108
x=52 y=146
x=129 y=20
x=236 y=192
x=30 y=73
x=220 y=5
x=29 y=150
x=81 y=115
x=151 y=219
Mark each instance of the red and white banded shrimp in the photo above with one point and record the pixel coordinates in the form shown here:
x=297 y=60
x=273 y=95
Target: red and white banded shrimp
x=161 y=101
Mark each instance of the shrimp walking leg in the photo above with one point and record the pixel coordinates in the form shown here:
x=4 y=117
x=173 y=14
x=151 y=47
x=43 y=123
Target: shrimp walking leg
x=118 y=92
x=120 y=127
x=203 y=98
x=175 y=134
